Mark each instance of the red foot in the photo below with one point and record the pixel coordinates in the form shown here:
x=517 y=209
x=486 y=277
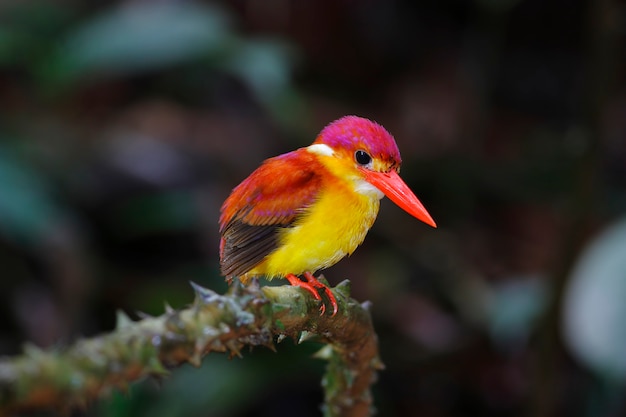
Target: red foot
x=310 y=285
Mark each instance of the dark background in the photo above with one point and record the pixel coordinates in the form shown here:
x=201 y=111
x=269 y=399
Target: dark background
x=124 y=125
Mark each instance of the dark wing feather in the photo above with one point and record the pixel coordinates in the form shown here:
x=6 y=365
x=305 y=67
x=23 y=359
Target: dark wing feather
x=245 y=246
x=269 y=200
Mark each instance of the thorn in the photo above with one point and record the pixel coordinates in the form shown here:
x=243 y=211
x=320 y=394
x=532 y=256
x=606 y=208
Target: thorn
x=377 y=364
x=235 y=348
x=195 y=359
x=201 y=344
x=156 y=368
x=143 y=316
x=205 y=295
x=168 y=308
x=325 y=353
x=122 y=320
x=173 y=322
x=344 y=288
x=280 y=338
x=366 y=305
x=236 y=287
x=217 y=346
x=306 y=336
x=323 y=280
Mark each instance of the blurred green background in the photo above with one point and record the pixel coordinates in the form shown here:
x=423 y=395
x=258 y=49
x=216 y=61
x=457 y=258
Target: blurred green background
x=124 y=125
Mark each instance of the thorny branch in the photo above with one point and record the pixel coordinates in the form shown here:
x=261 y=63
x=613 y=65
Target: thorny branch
x=91 y=368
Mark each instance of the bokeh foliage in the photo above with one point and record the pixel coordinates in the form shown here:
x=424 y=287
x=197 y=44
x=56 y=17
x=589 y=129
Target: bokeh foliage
x=125 y=124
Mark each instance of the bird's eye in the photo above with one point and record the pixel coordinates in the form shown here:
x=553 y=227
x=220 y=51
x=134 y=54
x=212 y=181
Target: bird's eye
x=362 y=157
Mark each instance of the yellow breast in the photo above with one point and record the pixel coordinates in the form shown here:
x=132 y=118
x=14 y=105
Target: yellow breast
x=331 y=229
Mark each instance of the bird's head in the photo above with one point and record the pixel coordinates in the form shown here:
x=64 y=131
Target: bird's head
x=364 y=150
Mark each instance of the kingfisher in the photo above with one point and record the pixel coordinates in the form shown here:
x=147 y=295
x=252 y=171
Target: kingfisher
x=303 y=211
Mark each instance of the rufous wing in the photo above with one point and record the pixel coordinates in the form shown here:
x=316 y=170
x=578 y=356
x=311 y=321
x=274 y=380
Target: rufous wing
x=270 y=199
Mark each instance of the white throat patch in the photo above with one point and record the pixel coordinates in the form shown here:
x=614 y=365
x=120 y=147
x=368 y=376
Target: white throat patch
x=365 y=188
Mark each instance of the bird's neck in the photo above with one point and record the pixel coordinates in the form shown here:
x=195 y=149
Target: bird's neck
x=341 y=173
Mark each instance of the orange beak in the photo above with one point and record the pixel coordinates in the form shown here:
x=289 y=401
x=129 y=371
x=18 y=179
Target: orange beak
x=393 y=187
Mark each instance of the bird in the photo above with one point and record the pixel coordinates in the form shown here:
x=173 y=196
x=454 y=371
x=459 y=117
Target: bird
x=303 y=211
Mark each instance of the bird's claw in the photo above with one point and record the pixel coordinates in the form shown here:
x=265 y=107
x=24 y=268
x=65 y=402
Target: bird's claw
x=312 y=285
